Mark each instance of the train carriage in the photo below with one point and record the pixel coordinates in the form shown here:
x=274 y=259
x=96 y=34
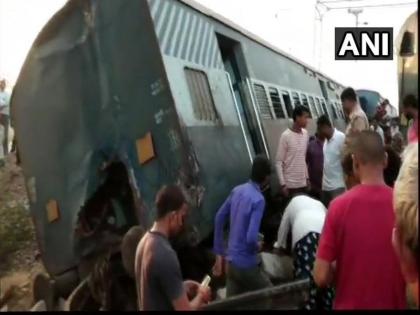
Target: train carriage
x=117 y=98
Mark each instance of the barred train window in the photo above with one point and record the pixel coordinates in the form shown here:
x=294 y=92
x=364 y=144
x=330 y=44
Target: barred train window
x=318 y=105
x=275 y=100
x=313 y=106
x=262 y=101
x=202 y=99
x=306 y=104
x=324 y=107
x=296 y=100
x=288 y=103
x=334 y=110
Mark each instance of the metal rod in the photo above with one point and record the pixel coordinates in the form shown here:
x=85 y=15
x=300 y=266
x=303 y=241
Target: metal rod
x=239 y=116
x=258 y=117
x=283 y=289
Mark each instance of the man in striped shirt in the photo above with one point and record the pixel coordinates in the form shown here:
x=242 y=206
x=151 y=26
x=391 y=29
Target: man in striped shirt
x=291 y=155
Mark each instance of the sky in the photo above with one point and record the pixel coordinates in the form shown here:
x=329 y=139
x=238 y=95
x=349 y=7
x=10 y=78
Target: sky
x=288 y=24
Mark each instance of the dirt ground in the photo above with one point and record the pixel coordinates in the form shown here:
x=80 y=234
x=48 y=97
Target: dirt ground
x=19 y=256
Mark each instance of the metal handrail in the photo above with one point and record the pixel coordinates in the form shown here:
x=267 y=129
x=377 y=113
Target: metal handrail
x=239 y=116
x=297 y=288
x=258 y=117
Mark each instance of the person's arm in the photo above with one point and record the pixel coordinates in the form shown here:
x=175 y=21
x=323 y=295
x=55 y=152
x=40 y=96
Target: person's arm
x=166 y=268
x=308 y=155
x=284 y=229
x=306 y=167
x=323 y=273
x=358 y=124
x=255 y=223
x=183 y=304
x=220 y=221
x=327 y=250
x=281 y=157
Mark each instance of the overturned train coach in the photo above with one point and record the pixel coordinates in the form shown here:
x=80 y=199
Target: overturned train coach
x=117 y=98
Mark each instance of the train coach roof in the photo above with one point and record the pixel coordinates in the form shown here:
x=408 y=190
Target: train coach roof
x=205 y=10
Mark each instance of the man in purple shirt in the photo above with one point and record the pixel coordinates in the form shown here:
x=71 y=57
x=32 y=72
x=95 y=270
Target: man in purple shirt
x=244 y=209
x=315 y=162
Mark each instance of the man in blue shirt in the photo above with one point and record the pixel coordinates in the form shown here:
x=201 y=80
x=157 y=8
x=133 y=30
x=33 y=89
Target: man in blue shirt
x=244 y=208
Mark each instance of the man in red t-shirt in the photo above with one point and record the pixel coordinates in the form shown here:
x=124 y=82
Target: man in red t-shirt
x=355 y=252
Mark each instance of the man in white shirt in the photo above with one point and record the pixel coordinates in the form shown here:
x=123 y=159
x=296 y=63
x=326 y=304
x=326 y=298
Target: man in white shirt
x=305 y=216
x=4 y=115
x=333 y=179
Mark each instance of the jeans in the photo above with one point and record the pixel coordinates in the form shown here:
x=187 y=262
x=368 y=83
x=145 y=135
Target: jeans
x=242 y=280
x=328 y=196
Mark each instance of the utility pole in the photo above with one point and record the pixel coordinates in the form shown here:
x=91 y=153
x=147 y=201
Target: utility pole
x=356 y=13
x=319 y=16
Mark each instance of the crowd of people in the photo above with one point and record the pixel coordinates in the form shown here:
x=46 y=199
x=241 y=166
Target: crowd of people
x=350 y=224
x=352 y=234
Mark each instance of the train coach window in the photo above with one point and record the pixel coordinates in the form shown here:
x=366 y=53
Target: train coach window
x=275 y=100
x=319 y=107
x=334 y=111
x=312 y=104
x=340 y=106
x=296 y=99
x=202 y=99
x=262 y=101
x=324 y=107
x=288 y=103
x=337 y=106
x=306 y=104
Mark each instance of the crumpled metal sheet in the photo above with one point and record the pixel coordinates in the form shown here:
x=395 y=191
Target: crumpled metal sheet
x=86 y=93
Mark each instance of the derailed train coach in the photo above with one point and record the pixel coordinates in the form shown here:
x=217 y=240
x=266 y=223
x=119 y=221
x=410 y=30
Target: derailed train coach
x=117 y=98
x=408 y=59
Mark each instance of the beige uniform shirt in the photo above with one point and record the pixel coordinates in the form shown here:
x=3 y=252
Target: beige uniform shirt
x=358 y=122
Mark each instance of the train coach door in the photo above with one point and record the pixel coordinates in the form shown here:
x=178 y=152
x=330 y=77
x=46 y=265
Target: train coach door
x=229 y=50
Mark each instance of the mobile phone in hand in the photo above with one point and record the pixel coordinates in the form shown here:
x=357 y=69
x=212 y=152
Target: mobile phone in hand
x=206 y=281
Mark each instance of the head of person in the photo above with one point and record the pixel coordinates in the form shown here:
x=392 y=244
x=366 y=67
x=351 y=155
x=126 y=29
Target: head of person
x=405 y=237
x=349 y=100
x=410 y=106
x=384 y=103
x=261 y=171
x=368 y=154
x=325 y=128
x=129 y=247
x=364 y=156
x=2 y=85
x=172 y=209
x=300 y=116
x=393 y=167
